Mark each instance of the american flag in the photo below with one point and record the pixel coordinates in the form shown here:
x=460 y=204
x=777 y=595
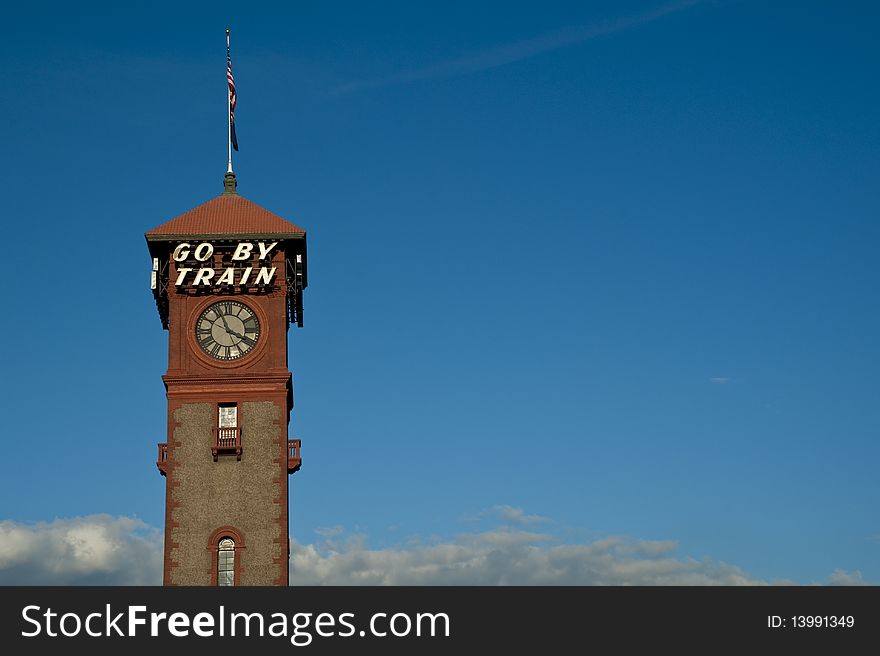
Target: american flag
x=231 y=81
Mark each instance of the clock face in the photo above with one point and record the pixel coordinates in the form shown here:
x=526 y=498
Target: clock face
x=227 y=330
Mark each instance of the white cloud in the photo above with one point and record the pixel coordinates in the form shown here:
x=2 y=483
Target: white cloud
x=330 y=531
x=842 y=577
x=509 y=557
x=504 y=537
x=719 y=380
x=92 y=550
x=513 y=515
x=106 y=550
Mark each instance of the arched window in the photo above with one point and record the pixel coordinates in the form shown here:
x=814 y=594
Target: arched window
x=227 y=548
x=226 y=562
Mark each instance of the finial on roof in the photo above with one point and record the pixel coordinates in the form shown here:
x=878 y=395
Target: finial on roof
x=229 y=184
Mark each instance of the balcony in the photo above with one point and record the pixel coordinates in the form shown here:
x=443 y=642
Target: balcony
x=294 y=461
x=162 y=461
x=227 y=440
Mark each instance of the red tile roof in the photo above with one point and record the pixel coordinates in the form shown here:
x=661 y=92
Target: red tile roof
x=226 y=215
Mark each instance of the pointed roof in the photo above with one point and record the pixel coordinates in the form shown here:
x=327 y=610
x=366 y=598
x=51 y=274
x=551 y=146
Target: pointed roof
x=227 y=216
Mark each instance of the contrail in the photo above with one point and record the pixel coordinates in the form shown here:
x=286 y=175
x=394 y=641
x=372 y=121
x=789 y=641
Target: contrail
x=518 y=50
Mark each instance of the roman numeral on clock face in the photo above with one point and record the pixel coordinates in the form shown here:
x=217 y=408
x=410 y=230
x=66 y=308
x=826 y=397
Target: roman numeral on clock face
x=228 y=321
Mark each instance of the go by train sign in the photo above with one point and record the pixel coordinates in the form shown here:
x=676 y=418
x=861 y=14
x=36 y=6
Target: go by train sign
x=229 y=266
x=196 y=265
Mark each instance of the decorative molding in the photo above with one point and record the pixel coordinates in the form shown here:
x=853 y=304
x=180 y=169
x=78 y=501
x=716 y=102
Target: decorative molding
x=227 y=236
x=230 y=379
x=171 y=504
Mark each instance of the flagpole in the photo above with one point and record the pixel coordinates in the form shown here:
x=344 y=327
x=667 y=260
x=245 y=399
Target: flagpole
x=228 y=111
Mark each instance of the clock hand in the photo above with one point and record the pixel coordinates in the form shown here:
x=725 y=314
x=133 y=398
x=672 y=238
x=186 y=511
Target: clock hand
x=225 y=325
x=236 y=333
x=230 y=331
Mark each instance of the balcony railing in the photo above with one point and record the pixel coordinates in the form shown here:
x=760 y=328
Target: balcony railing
x=162 y=461
x=227 y=440
x=294 y=461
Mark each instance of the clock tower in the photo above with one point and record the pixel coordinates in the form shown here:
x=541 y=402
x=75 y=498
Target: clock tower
x=228 y=278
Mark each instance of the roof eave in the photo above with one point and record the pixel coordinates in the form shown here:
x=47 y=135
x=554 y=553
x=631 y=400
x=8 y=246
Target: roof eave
x=230 y=236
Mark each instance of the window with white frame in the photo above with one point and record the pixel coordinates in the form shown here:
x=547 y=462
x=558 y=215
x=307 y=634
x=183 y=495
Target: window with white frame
x=226 y=562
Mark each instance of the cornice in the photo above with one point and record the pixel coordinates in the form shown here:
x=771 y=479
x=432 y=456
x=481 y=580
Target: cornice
x=226 y=379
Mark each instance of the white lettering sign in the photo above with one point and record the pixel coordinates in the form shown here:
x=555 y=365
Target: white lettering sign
x=181 y=274
x=203 y=251
x=203 y=277
x=181 y=252
x=242 y=251
x=264 y=251
x=265 y=275
x=226 y=278
x=207 y=276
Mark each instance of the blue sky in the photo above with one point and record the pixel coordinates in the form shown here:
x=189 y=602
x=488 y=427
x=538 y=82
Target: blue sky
x=589 y=282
